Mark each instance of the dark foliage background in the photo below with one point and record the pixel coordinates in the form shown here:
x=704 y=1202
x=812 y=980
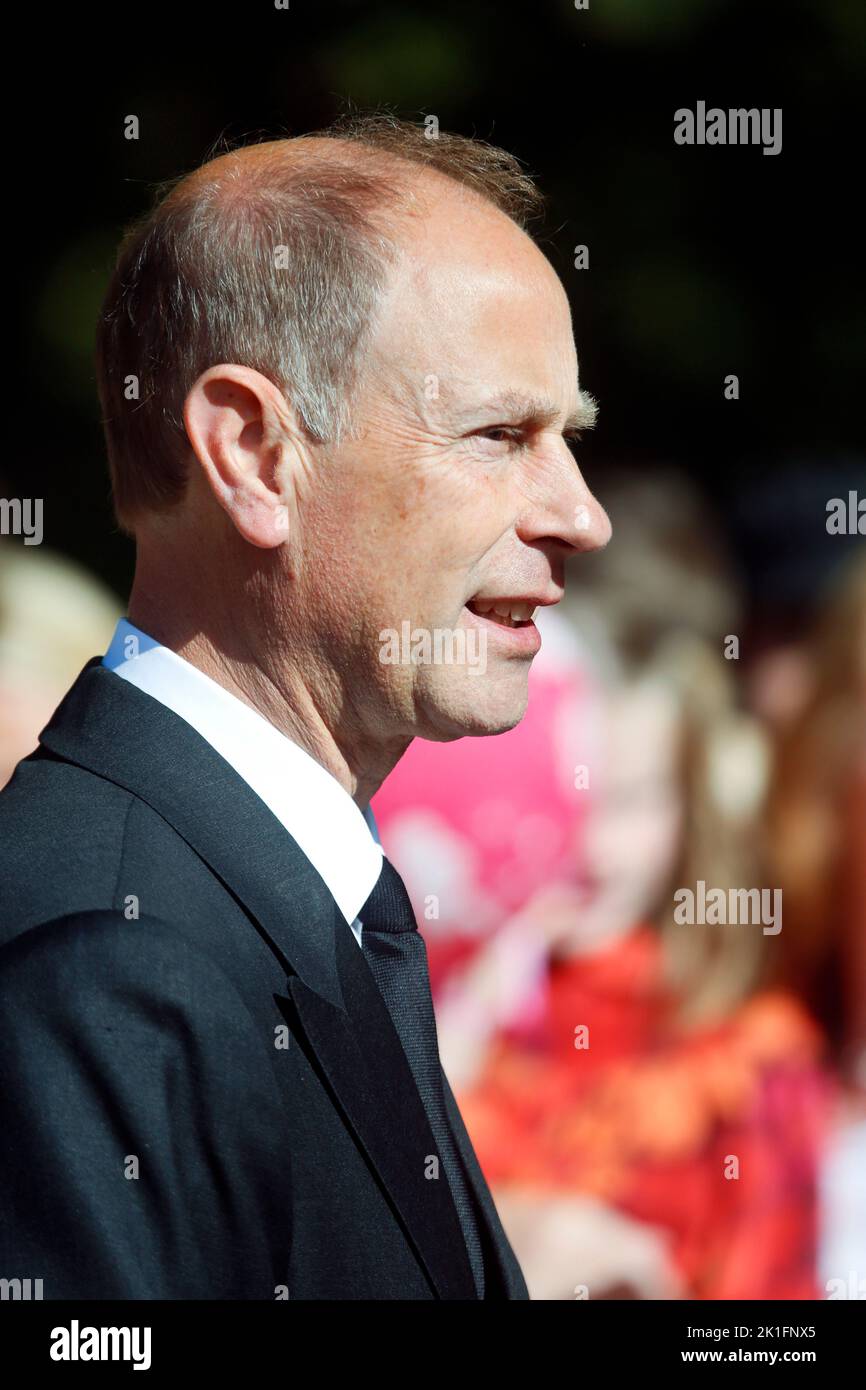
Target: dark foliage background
x=703 y=261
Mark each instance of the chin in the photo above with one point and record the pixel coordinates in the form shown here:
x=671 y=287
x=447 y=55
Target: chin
x=467 y=715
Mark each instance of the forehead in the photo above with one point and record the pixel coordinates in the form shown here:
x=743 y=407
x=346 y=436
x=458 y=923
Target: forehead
x=473 y=301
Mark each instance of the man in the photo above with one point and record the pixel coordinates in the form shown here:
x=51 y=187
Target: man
x=336 y=377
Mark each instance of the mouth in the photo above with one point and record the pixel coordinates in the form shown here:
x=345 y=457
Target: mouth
x=508 y=622
x=505 y=612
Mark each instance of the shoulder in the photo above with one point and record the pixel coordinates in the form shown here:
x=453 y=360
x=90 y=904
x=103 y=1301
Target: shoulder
x=61 y=836
x=72 y=841
x=98 y=959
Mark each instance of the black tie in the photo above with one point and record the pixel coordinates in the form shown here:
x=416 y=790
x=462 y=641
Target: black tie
x=397 y=957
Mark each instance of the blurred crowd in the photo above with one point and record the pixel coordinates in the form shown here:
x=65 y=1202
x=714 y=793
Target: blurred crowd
x=54 y=616
x=663 y=1109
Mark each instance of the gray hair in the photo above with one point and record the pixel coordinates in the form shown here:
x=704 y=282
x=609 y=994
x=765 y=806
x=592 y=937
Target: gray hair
x=273 y=256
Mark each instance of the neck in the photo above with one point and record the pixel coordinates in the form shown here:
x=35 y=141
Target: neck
x=267 y=677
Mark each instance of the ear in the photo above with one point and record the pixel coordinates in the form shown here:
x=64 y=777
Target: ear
x=246 y=438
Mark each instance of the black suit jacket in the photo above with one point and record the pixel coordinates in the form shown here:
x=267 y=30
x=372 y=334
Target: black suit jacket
x=207 y=1100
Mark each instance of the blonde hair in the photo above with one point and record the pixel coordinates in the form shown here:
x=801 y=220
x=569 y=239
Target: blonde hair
x=662 y=601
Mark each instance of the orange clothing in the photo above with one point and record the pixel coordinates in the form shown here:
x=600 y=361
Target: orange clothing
x=715 y=1135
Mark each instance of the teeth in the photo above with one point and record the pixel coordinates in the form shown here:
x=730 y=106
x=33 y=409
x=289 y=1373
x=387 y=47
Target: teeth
x=511 y=612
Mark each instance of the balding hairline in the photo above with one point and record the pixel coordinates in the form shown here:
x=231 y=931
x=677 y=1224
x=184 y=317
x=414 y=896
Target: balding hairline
x=196 y=284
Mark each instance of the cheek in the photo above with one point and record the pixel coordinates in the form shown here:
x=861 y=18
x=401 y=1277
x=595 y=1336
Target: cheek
x=409 y=546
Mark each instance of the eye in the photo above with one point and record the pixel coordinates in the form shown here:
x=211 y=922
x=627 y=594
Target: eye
x=503 y=434
x=572 y=442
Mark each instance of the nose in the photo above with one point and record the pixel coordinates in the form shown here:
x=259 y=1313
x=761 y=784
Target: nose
x=591 y=524
x=565 y=510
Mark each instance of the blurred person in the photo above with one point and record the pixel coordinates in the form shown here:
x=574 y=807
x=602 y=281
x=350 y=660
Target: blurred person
x=817 y=847
x=224 y=1076
x=53 y=614
x=791 y=565
x=805 y=649
x=688 y=1061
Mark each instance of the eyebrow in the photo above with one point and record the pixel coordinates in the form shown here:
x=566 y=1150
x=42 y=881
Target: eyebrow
x=541 y=412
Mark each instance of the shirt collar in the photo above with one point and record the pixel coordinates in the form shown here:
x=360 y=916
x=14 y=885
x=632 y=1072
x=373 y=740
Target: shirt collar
x=340 y=841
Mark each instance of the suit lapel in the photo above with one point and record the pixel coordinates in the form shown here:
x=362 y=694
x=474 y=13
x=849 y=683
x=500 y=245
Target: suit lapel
x=113 y=729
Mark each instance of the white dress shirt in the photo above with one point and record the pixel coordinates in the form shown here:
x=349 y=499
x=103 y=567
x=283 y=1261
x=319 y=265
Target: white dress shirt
x=340 y=841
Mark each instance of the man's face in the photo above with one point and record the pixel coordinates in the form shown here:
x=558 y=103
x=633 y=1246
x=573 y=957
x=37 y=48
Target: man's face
x=460 y=492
